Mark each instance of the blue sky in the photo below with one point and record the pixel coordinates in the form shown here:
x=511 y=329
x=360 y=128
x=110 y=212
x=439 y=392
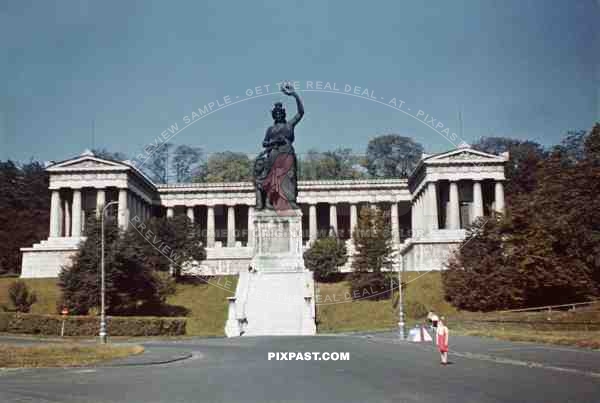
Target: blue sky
x=525 y=69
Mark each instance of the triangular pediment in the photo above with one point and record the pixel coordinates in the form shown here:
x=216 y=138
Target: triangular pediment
x=86 y=163
x=465 y=154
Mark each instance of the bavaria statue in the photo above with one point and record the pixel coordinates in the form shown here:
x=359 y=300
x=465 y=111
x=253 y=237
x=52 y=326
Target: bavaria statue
x=276 y=167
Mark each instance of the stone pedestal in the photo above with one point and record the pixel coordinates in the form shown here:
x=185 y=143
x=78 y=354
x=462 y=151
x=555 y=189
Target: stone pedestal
x=276 y=295
x=278 y=241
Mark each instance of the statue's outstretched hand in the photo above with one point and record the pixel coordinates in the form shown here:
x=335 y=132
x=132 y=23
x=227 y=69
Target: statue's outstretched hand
x=287 y=88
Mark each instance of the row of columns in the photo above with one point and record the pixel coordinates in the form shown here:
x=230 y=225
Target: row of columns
x=424 y=212
x=210 y=224
x=66 y=215
x=425 y=207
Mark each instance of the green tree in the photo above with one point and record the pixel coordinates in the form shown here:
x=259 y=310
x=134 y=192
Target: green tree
x=24 y=210
x=186 y=161
x=372 y=239
x=158 y=163
x=228 y=167
x=134 y=261
x=21 y=296
x=337 y=164
x=525 y=155
x=546 y=250
x=325 y=256
x=392 y=156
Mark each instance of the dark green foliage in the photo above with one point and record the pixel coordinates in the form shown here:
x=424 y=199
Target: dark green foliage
x=372 y=239
x=24 y=211
x=21 y=296
x=226 y=167
x=50 y=325
x=134 y=261
x=546 y=250
x=392 y=156
x=337 y=164
x=522 y=167
x=325 y=256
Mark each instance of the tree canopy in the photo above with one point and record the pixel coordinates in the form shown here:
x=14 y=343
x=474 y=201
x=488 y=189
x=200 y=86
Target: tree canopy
x=392 y=156
x=546 y=249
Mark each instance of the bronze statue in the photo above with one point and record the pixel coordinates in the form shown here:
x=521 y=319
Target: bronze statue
x=275 y=168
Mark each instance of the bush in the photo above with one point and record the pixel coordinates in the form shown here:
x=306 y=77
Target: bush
x=416 y=310
x=325 y=256
x=21 y=297
x=50 y=325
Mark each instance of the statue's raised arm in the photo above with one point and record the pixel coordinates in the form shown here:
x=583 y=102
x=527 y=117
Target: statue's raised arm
x=287 y=89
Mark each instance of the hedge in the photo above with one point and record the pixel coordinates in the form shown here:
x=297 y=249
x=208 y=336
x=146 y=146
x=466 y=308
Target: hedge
x=50 y=325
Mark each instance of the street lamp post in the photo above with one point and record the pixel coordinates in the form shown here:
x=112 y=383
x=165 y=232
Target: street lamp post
x=102 y=277
x=400 y=302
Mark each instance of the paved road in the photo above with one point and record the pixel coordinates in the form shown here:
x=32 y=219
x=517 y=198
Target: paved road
x=380 y=369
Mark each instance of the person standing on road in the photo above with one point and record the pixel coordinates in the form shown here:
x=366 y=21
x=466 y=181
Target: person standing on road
x=433 y=319
x=442 y=340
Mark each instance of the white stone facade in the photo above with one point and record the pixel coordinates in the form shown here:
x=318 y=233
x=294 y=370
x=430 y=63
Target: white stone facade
x=428 y=211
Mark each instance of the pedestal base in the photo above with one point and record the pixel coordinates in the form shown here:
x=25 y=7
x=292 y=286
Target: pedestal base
x=276 y=296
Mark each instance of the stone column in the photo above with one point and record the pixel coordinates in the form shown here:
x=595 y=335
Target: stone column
x=353 y=218
x=170 y=212
x=395 y=225
x=433 y=209
x=190 y=213
x=210 y=226
x=100 y=201
x=312 y=222
x=418 y=217
x=333 y=217
x=477 y=201
x=138 y=207
x=76 y=218
x=123 y=218
x=250 y=226
x=230 y=226
x=413 y=219
x=454 y=214
x=55 y=214
x=499 y=196
x=67 y=221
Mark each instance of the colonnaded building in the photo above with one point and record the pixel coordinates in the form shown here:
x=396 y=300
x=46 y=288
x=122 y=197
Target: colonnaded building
x=429 y=211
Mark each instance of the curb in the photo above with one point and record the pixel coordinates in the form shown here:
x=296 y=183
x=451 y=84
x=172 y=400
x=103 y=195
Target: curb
x=141 y=363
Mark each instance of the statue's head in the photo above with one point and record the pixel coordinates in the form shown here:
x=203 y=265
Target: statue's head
x=278 y=113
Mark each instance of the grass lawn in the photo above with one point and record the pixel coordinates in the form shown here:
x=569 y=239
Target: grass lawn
x=590 y=339
x=46 y=290
x=206 y=304
x=62 y=355
x=337 y=312
x=580 y=327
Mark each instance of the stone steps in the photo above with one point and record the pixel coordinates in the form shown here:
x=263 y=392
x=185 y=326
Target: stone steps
x=276 y=304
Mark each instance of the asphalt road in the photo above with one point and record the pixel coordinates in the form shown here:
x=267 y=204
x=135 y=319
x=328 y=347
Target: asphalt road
x=380 y=369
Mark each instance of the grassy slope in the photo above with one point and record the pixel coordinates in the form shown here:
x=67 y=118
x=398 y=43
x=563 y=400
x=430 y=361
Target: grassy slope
x=206 y=303
x=45 y=288
x=337 y=313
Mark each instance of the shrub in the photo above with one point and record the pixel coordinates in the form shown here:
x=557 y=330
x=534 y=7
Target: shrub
x=21 y=296
x=325 y=256
x=416 y=310
x=50 y=325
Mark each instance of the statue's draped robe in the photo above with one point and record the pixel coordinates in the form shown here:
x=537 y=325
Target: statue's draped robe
x=276 y=169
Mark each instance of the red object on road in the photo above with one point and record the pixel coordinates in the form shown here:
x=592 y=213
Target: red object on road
x=442 y=340
x=64 y=312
